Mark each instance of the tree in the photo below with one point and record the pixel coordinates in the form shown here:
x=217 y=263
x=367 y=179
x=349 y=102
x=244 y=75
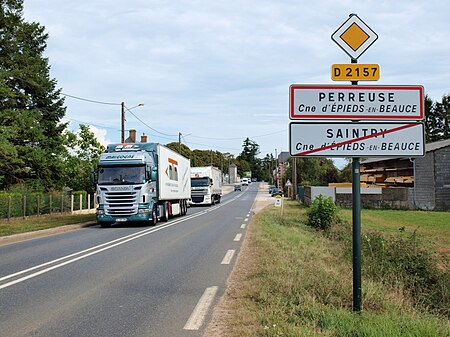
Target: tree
x=83 y=153
x=437 y=119
x=313 y=171
x=248 y=155
x=31 y=108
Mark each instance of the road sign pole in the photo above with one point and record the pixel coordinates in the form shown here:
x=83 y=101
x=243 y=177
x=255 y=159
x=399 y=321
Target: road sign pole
x=356 y=229
x=356 y=191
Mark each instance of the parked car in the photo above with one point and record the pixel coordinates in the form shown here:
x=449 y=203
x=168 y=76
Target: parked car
x=237 y=187
x=276 y=191
x=271 y=187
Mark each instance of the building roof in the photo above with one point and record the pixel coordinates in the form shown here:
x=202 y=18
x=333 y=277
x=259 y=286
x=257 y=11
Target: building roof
x=428 y=148
x=437 y=145
x=283 y=157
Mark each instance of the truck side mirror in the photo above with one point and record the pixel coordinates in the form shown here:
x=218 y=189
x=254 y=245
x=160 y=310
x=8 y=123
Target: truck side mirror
x=154 y=174
x=92 y=176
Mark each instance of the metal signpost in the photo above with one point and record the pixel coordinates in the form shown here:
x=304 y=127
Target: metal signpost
x=356 y=121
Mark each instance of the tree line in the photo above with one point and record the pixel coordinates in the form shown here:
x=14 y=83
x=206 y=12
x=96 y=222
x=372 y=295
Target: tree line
x=39 y=153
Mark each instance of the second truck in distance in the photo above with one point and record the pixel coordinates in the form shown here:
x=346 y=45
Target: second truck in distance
x=206 y=185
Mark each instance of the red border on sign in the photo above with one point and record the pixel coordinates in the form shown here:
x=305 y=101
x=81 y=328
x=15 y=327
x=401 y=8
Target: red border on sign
x=294 y=116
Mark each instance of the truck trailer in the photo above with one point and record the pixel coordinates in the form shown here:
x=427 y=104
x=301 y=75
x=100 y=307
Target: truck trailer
x=206 y=185
x=143 y=182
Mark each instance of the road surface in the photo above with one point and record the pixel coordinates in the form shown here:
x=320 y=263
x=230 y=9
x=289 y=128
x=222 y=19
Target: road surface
x=125 y=280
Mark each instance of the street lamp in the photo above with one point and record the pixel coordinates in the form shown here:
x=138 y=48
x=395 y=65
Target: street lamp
x=122 y=134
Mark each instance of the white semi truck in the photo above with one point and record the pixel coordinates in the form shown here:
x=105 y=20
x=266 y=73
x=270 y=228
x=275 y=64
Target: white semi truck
x=143 y=182
x=206 y=185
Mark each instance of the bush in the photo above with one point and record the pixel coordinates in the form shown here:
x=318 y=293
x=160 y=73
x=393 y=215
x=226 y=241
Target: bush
x=322 y=213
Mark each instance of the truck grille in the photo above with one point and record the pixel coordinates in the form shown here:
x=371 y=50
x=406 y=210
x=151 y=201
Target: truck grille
x=199 y=192
x=197 y=198
x=121 y=203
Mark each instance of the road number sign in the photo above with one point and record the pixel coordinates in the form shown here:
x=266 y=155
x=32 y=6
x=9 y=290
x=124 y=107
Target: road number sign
x=347 y=139
x=356 y=102
x=355 y=72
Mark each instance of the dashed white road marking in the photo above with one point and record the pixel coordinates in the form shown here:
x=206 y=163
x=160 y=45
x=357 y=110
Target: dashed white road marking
x=246 y=219
x=238 y=237
x=197 y=317
x=243 y=225
x=228 y=256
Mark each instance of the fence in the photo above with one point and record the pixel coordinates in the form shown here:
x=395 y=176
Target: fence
x=16 y=205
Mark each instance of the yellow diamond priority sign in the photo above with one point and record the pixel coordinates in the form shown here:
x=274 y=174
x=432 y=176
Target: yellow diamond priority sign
x=354 y=36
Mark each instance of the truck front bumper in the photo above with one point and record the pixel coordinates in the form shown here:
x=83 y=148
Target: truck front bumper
x=144 y=214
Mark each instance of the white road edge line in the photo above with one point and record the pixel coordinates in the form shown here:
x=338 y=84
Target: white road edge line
x=246 y=219
x=228 y=257
x=243 y=226
x=197 y=317
x=238 y=237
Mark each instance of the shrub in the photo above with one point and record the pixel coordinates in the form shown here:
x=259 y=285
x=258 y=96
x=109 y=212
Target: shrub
x=322 y=212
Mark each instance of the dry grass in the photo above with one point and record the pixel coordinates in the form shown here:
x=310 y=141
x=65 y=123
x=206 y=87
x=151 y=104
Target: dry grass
x=292 y=281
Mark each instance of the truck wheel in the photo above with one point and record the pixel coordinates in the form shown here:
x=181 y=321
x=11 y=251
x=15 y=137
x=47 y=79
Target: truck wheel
x=154 y=219
x=165 y=215
x=181 y=203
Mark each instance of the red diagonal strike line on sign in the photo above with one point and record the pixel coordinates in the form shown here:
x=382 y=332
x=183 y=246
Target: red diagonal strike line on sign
x=381 y=133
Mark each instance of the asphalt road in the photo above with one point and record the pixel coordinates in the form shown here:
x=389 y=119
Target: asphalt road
x=125 y=280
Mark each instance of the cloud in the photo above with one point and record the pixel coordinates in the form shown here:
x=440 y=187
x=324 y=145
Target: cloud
x=221 y=68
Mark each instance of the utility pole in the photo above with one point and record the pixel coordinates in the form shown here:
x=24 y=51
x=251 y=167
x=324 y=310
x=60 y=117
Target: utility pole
x=179 y=142
x=122 y=134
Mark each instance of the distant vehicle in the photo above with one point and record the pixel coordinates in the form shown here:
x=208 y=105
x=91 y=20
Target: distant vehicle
x=244 y=181
x=206 y=185
x=237 y=187
x=254 y=180
x=276 y=191
x=271 y=187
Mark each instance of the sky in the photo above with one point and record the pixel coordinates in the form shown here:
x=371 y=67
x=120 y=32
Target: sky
x=219 y=71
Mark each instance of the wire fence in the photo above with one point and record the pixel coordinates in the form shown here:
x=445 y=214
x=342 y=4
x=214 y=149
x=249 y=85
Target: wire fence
x=18 y=205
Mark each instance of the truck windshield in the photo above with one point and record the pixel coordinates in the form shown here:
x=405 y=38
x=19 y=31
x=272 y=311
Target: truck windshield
x=197 y=182
x=116 y=175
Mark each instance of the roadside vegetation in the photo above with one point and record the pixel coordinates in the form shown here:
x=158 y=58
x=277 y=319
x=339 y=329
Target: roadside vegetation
x=299 y=281
x=20 y=225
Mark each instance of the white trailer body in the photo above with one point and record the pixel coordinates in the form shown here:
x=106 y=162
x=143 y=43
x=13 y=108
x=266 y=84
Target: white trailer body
x=206 y=185
x=173 y=175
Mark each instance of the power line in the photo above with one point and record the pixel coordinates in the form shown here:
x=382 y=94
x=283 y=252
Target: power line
x=140 y=120
x=89 y=100
x=213 y=138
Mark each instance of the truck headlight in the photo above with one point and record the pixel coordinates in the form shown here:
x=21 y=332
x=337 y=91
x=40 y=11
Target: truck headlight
x=143 y=210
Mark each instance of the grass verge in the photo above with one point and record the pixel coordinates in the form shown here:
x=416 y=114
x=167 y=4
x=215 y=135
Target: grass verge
x=299 y=283
x=35 y=223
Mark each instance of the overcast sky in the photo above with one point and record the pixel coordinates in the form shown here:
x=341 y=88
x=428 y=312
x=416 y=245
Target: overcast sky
x=219 y=71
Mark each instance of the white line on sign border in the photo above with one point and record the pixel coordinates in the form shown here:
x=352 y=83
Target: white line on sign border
x=307 y=96
x=354 y=140
x=308 y=138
